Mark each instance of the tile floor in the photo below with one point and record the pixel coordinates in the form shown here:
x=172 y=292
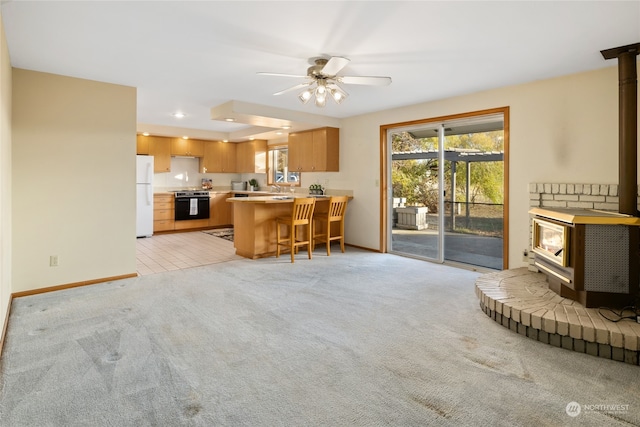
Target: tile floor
x=166 y=252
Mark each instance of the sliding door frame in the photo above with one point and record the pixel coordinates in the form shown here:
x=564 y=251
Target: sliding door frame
x=385 y=160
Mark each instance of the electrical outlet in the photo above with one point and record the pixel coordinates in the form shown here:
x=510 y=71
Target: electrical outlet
x=53 y=261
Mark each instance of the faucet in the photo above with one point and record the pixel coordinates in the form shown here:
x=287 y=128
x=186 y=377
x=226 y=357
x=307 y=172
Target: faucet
x=276 y=188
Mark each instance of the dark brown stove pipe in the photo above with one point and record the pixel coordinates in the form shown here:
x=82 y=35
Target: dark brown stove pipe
x=628 y=154
x=628 y=126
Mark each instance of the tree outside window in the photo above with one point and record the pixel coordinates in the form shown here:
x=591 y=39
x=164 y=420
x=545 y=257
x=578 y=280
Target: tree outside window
x=278 y=168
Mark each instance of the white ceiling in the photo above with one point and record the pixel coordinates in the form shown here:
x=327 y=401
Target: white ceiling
x=195 y=56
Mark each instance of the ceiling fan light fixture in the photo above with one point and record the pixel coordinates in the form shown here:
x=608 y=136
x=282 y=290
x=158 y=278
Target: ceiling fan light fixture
x=338 y=94
x=305 y=96
x=321 y=96
x=324 y=74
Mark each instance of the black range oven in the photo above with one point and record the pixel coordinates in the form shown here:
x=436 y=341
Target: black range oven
x=191 y=205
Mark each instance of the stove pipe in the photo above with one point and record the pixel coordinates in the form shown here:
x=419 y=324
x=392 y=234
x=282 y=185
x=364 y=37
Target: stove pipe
x=628 y=126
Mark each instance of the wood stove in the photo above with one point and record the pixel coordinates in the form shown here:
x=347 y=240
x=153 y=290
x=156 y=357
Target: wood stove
x=587 y=255
x=594 y=256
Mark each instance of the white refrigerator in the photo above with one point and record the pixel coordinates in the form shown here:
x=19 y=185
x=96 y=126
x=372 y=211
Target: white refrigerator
x=144 y=196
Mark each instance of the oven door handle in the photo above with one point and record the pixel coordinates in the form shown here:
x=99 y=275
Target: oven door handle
x=188 y=199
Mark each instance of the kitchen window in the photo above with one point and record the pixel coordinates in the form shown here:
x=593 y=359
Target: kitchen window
x=278 y=168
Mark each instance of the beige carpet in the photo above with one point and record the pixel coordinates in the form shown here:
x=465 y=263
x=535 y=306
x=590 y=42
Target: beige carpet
x=355 y=339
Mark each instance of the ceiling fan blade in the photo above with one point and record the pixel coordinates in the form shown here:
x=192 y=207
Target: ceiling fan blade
x=365 y=80
x=281 y=75
x=335 y=64
x=299 y=86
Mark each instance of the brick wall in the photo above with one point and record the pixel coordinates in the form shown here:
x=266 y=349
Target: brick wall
x=586 y=196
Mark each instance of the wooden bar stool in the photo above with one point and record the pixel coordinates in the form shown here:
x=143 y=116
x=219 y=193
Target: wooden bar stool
x=337 y=207
x=301 y=214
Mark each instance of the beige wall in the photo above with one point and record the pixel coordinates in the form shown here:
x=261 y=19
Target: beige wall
x=562 y=130
x=74 y=146
x=5 y=175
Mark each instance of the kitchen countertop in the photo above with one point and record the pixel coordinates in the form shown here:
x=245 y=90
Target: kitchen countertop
x=215 y=191
x=258 y=196
x=276 y=198
x=255 y=193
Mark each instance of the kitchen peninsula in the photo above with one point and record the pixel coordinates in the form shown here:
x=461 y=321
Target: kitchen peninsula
x=255 y=225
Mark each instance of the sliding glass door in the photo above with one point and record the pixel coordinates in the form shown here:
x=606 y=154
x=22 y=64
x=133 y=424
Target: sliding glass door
x=415 y=189
x=446 y=200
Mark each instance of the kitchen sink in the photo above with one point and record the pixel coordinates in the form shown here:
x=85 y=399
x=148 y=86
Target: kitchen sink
x=282 y=197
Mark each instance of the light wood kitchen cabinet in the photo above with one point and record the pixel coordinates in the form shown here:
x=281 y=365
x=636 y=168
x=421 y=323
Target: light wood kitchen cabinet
x=191 y=224
x=160 y=149
x=220 y=212
x=187 y=147
x=142 y=144
x=218 y=157
x=252 y=156
x=317 y=150
x=299 y=145
x=163 y=212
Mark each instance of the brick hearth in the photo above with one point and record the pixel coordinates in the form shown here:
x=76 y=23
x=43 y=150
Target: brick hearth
x=520 y=300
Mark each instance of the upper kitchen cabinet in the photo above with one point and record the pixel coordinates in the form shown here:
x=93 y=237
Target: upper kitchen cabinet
x=252 y=156
x=159 y=147
x=142 y=144
x=300 y=148
x=317 y=150
x=218 y=157
x=187 y=147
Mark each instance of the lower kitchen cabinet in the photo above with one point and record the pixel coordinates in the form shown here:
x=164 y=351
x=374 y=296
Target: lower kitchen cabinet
x=190 y=224
x=219 y=210
x=220 y=213
x=163 y=225
x=163 y=212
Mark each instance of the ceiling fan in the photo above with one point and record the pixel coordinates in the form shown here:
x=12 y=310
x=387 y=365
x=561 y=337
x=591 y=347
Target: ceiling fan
x=322 y=80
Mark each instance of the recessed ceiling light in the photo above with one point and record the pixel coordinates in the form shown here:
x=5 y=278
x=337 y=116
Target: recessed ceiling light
x=185 y=137
x=229 y=119
x=178 y=115
x=286 y=127
x=145 y=133
x=251 y=139
x=278 y=133
x=225 y=140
